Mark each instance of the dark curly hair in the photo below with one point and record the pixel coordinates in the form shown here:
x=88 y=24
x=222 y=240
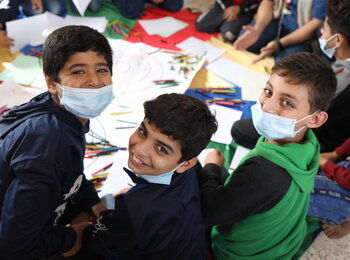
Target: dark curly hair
x=185 y=119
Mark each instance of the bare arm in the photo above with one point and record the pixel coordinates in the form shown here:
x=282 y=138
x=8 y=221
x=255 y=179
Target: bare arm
x=302 y=34
x=252 y=34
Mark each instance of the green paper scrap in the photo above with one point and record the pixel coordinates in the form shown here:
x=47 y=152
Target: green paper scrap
x=23 y=68
x=167 y=34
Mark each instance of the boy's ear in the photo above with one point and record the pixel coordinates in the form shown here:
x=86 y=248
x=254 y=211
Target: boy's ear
x=51 y=85
x=318 y=119
x=187 y=165
x=340 y=40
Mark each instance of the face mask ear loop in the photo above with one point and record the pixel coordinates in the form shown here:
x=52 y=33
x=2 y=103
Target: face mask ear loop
x=298 y=131
x=59 y=85
x=177 y=167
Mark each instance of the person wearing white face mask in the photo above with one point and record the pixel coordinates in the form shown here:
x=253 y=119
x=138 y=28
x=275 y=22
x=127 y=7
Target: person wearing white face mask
x=260 y=211
x=160 y=217
x=335 y=43
x=337 y=35
x=42 y=146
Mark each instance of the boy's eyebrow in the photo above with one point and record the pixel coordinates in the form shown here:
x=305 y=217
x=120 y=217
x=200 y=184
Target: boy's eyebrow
x=158 y=141
x=283 y=94
x=166 y=145
x=85 y=65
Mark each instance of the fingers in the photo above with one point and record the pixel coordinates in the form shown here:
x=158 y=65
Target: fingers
x=260 y=57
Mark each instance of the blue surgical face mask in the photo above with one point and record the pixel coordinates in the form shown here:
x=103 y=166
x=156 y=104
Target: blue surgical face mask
x=86 y=103
x=160 y=179
x=323 y=42
x=272 y=126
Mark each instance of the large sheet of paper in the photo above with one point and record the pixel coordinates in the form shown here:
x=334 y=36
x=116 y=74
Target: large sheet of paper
x=41 y=25
x=252 y=83
x=13 y=94
x=161 y=25
x=225 y=117
x=198 y=47
x=135 y=67
x=117 y=177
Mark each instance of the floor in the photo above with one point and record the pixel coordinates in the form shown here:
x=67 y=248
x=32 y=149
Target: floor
x=323 y=248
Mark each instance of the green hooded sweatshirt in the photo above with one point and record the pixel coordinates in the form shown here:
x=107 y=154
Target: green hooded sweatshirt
x=279 y=232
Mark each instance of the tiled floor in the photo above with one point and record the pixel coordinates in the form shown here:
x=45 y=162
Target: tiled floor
x=323 y=248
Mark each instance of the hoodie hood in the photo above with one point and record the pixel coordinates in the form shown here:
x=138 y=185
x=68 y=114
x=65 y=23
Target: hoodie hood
x=341 y=69
x=39 y=105
x=301 y=161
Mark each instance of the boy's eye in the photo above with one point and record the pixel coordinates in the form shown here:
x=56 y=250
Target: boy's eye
x=267 y=92
x=79 y=72
x=162 y=150
x=287 y=103
x=142 y=131
x=103 y=70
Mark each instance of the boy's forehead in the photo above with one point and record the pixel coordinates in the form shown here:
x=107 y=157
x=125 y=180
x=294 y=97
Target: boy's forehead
x=285 y=86
x=157 y=134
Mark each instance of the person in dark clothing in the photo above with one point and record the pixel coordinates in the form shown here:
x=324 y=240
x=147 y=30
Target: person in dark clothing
x=260 y=211
x=160 y=217
x=42 y=146
x=133 y=9
x=228 y=17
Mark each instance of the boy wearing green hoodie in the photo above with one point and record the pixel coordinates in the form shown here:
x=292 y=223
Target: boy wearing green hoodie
x=260 y=211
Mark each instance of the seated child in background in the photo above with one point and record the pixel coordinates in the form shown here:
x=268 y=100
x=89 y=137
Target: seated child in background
x=291 y=33
x=335 y=41
x=160 y=217
x=330 y=199
x=133 y=9
x=228 y=17
x=260 y=211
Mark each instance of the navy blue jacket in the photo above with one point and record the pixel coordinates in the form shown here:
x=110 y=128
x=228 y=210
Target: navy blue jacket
x=153 y=221
x=41 y=169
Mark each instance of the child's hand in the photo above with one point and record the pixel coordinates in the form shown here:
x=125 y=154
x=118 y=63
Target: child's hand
x=322 y=161
x=78 y=228
x=4 y=40
x=98 y=208
x=331 y=156
x=122 y=191
x=231 y=13
x=216 y=157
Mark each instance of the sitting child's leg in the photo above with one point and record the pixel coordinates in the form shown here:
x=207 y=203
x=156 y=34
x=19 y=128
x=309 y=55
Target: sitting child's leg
x=331 y=204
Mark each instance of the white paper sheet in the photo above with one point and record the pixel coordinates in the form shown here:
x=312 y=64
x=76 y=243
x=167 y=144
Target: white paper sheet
x=237 y=157
x=13 y=94
x=225 y=117
x=18 y=30
x=98 y=23
x=252 y=83
x=198 y=47
x=41 y=25
x=161 y=25
x=117 y=177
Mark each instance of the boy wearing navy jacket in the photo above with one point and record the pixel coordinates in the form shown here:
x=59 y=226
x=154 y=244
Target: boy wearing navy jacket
x=160 y=217
x=42 y=145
